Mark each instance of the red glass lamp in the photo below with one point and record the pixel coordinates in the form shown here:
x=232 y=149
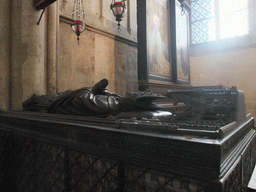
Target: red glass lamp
x=78 y=15
x=118 y=8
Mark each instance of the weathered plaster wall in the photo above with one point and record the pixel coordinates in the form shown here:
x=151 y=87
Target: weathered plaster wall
x=97 y=56
x=232 y=68
x=45 y=59
x=104 y=60
x=102 y=51
x=76 y=62
x=99 y=15
x=27 y=51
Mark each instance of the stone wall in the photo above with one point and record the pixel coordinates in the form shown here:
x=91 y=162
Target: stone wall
x=23 y=57
x=232 y=68
x=102 y=51
x=46 y=58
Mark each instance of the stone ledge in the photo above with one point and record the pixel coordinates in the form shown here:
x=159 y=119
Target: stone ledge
x=124 y=39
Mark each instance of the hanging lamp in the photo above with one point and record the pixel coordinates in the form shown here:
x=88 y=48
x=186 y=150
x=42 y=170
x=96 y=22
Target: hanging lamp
x=118 y=8
x=78 y=16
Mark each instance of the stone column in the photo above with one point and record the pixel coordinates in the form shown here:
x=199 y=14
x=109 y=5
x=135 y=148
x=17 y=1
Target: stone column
x=28 y=74
x=16 y=55
x=33 y=39
x=52 y=48
x=5 y=55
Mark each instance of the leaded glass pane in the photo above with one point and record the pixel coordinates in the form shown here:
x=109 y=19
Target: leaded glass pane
x=203 y=31
x=229 y=6
x=234 y=24
x=232 y=19
x=202 y=9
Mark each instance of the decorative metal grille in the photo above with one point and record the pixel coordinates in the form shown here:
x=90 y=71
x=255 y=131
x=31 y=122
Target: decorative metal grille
x=24 y=162
x=50 y=167
x=91 y=173
x=39 y=165
x=42 y=166
x=6 y=172
x=148 y=180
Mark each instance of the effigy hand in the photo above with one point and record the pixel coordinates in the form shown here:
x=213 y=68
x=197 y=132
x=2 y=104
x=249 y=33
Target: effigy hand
x=93 y=101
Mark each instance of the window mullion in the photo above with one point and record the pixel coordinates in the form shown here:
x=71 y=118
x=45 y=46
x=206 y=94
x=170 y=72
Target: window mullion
x=217 y=18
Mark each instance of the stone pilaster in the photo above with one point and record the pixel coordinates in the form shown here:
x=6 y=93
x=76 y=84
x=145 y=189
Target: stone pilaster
x=28 y=73
x=33 y=42
x=4 y=55
x=52 y=47
x=17 y=55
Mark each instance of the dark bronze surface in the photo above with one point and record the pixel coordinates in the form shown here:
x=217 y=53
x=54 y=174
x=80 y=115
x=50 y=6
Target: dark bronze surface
x=42 y=4
x=71 y=153
x=136 y=150
x=92 y=101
